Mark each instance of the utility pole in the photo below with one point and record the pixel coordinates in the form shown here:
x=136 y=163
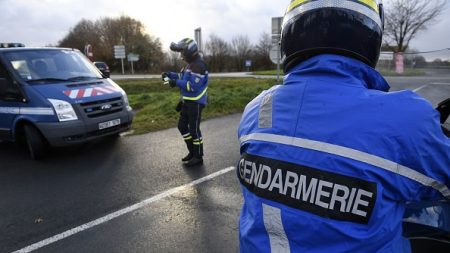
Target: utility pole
x=198 y=38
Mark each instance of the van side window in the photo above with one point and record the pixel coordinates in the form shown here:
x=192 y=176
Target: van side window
x=8 y=91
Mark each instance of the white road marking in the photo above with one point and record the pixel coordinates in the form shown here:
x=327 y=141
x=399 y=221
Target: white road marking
x=421 y=87
x=121 y=212
x=440 y=83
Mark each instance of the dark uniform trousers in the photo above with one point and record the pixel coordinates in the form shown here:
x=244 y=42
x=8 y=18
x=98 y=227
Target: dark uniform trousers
x=189 y=127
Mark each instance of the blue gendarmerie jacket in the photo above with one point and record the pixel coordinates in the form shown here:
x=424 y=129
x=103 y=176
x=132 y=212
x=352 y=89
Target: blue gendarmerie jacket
x=193 y=81
x=329 y=159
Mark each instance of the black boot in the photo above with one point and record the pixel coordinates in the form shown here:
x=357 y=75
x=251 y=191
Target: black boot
x=190 y=147
x=194 y=161
x=187 y=158
x=197 y=155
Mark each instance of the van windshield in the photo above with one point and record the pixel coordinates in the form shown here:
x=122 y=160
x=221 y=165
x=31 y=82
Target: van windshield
x=50 y=65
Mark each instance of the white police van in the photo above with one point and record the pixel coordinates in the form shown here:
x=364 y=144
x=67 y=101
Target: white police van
x=57 y=97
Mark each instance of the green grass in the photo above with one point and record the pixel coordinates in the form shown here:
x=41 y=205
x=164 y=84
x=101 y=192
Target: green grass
x=155 y=103
x=408 y=72
x=268 y=72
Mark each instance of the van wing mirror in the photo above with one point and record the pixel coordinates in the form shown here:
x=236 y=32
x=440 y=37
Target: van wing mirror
x=7 y=93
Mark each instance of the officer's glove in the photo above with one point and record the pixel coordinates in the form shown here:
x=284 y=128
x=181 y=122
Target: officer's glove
x=166 y=80
x=172 y=83
x=178 y=107
x=164 y=75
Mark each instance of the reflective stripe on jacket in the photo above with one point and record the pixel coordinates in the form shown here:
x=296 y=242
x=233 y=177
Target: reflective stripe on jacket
x=193 y=81
x=329 y=159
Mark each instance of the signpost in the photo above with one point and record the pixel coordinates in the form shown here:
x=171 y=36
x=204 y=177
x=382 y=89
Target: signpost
x=248 y=64
x=119 y=53
x=132 y=58
x=275 y=55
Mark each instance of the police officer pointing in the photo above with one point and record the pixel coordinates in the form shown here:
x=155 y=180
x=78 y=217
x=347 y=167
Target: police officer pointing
x=329 y=158
x=193 y=85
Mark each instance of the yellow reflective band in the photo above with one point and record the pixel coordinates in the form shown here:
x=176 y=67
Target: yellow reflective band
x=197 y=97
x=295 y=4
x=188 y=138
x=188 y=86
x=371 y=3
x=197 y=143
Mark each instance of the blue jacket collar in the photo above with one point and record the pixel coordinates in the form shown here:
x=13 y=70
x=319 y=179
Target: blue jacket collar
x=336 y=67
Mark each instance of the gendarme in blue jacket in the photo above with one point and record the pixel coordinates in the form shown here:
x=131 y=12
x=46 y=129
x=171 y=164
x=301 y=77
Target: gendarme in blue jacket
x=193 y=81
x=330 y=158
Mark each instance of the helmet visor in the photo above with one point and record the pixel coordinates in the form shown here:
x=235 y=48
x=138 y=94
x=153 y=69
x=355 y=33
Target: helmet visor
x=177 y=47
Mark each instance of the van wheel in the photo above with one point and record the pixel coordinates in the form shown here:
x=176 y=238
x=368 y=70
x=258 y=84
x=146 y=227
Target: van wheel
x=37 y=147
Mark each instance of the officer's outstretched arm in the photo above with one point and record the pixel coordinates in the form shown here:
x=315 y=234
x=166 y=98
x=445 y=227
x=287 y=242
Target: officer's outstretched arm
x=174 y=75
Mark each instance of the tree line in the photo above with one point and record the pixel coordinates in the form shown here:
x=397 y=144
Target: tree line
x=220 y=55
x=405 y=19
x=104 y=33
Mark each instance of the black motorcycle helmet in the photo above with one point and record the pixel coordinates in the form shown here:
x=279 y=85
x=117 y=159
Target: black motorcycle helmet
x=187 y=47
x=352 y=28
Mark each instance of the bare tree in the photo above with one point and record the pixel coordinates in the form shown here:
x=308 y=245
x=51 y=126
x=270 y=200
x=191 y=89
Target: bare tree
x=218 y=52
x=107 y=32
x=173 y=61
x=406 y=18
x=80 y=35
x=262 y=51
x=241 y=49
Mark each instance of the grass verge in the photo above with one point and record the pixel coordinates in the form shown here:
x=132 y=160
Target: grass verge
x=273 y=72
x=155 y=103
x=408 y=72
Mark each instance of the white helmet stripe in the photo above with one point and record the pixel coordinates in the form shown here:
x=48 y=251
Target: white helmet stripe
x=191 y=45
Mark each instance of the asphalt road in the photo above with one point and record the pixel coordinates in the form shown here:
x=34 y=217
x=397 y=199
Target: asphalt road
x=132 y=194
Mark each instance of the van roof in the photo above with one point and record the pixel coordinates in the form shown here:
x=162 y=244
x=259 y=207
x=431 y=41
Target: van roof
x=35 y=48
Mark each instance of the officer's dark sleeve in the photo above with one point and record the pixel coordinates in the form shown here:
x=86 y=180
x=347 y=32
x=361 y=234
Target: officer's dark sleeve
x=199 y=68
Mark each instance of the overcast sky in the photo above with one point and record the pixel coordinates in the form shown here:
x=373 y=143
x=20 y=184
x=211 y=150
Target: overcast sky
x=44 y=22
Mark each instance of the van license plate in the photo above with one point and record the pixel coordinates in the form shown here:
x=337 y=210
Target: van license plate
x=109 y=124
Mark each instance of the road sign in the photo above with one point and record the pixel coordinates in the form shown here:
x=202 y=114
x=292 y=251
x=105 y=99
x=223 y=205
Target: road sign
x=133 y=57
x=275 y=55
x=276 y=29
x=119 y=52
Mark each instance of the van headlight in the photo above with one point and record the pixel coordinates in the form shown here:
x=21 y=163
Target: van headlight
x=126 y=101
x=64 y=110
